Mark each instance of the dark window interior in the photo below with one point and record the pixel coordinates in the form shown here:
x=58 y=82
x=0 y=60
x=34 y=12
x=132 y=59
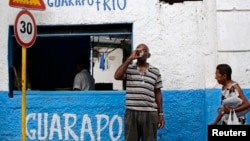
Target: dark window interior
x=51 y=60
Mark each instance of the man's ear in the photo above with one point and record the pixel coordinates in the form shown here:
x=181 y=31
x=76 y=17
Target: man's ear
x=149 y=55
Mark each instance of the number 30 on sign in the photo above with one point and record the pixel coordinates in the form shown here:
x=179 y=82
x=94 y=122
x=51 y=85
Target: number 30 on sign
x=25 y=29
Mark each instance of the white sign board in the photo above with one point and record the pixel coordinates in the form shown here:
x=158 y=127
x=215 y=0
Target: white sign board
x=25 y=29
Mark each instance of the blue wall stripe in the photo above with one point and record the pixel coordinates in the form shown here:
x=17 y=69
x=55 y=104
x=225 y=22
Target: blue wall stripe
x=98 y=115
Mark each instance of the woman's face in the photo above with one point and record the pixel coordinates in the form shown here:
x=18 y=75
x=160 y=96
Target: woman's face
x=220 y=77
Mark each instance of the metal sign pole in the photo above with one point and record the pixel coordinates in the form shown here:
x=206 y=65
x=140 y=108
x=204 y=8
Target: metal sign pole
x=25 y=32
x=24 y=52
x=25 y=36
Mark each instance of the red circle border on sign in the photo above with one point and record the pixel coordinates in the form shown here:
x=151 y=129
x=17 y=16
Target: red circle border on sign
x=29 y=44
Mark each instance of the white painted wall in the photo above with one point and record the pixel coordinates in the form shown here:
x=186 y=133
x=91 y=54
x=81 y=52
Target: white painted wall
x=113 y=59
x=186 y=40
x=233 y=30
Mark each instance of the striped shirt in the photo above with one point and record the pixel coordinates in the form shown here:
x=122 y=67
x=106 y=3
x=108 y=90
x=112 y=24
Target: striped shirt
x=140 y=88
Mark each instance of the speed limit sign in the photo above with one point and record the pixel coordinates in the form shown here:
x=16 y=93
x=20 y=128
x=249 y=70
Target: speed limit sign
x=25 y=29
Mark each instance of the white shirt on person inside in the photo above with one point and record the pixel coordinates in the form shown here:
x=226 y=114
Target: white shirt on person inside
x=84 y=81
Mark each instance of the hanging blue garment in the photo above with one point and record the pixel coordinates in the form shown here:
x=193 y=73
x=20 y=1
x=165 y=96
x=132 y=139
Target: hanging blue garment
x=102 y=61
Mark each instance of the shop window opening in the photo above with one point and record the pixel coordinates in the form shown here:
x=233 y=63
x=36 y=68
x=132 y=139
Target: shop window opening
x=51 y=60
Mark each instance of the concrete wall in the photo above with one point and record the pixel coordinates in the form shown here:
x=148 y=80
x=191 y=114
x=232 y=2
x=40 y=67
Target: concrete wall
x=233 y=31
x=98 y=116
x=172 y=31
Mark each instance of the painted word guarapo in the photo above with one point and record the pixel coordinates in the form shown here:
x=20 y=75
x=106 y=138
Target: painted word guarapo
x=41 y=126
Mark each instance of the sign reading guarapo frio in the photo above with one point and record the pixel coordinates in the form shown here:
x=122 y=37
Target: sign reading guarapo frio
x=99 y=5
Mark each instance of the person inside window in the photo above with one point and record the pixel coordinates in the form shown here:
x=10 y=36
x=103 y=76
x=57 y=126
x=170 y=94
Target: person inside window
x=83 y=80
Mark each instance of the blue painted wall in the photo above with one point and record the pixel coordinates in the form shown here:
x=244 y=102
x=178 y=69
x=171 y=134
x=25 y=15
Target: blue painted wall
x=98 y=115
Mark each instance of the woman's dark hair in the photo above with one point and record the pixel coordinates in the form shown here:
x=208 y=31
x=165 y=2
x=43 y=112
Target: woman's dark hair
x=225 y=69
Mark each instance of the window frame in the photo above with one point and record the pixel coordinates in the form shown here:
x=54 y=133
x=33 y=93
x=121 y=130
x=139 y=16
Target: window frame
x=113 y=30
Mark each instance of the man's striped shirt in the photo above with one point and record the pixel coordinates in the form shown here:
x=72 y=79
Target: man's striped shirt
x=140 y=88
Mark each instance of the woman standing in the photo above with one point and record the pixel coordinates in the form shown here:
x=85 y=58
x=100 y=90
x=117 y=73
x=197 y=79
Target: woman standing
x=232 y=97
